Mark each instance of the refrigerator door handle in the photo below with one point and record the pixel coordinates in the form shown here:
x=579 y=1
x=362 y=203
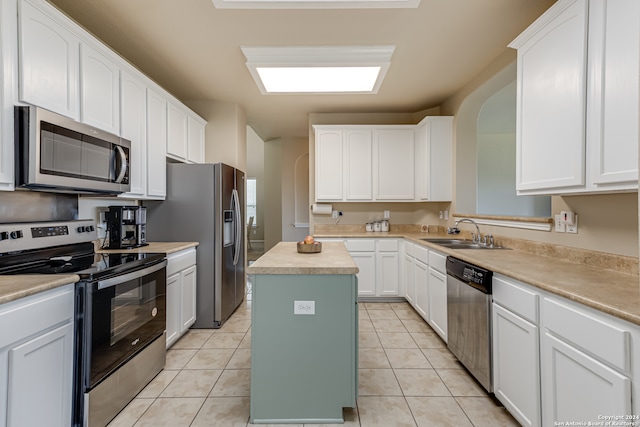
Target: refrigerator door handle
x=235 y=203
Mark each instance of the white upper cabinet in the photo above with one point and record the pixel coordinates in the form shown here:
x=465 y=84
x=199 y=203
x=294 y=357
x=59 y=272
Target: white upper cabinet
x=177 y=130
x=434 y=159
x=359 y=164
x=365 y=163
x=8 y=86
x=196 y=128
x=156 y=144
x=612 y=102
x=577 y=119
x=49 y=59
x=133 y=126
x=99 y=89
x=185 y=133
x=329 y=164
x=394 y=159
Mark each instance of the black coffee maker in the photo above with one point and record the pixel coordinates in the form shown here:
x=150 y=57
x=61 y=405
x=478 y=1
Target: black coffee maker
x=126 y=226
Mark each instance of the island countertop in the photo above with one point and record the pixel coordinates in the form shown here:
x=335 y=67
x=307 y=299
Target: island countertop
x=285 y=259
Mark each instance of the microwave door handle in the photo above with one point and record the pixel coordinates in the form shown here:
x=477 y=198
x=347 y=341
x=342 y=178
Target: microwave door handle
x=123 y=164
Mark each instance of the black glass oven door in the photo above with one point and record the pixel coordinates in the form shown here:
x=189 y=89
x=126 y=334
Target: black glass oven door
x=126 y=313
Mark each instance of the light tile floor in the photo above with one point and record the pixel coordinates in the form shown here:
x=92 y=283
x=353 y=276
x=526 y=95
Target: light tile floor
x=407 y=378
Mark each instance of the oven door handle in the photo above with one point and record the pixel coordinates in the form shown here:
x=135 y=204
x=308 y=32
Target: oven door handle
x=102 y=284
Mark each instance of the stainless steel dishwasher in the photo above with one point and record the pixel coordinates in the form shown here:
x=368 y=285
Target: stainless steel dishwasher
x=469 y=318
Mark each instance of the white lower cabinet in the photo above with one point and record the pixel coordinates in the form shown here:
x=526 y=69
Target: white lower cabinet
x=421 y=280
x=516 y=349
x=379 y=263
x=425 y=285
x=408 y=273
x=36 y=359
x=579 y=387
x=586 y=363
x=181 y=293
x=556 y=361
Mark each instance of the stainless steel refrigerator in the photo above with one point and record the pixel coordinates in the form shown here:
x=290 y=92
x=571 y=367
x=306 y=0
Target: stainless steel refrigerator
x=205 y=203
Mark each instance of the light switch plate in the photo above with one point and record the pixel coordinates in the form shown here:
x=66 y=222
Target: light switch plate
x=304 y=307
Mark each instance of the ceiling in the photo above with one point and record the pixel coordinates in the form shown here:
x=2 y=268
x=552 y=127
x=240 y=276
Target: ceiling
x=193 y=50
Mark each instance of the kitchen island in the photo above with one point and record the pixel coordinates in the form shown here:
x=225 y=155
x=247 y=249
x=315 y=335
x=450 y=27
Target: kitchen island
x=304 y=338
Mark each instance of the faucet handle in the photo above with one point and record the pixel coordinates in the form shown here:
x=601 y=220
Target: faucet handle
x=489 y=240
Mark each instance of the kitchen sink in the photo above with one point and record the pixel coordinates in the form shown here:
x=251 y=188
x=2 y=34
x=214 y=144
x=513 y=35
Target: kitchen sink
x=461 y=244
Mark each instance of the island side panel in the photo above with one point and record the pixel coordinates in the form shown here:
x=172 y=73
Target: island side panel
x=303 y=366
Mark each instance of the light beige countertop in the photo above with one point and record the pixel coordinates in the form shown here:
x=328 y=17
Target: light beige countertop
x=284 y=258
x=19 y=286
x=154 y=247
x=23 y=285
x=589 y=283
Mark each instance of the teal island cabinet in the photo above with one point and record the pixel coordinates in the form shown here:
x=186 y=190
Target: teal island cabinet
x=304 y=335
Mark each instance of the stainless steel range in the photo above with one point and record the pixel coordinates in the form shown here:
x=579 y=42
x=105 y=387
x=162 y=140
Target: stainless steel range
x=120 y=310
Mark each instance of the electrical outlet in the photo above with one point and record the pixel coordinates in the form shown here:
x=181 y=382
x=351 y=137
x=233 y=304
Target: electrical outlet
x=560 y=226
x=446 y=215
x=573 y=228
x=387 y=215
x=334 y=214
x=440 y=215
x=304 y=307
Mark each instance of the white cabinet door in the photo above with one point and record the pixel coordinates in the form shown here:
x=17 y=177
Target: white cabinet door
x=99 y=90
x=133 y=126
x=8 y=92
x=387 y=273
x=173 y=309
x=188 y=298
x=177 y=131
x=421 y=278
x=366 y=262
x=614 y=60
x=359 y=164
x=156 y=145
x=409 y=279
x=438 y=302
x=40 y=380
x=196 y=139
x=577 y=387
x=434 y=159
x=329 y=158
x=551 y=92
x=394 y=164
x=516 y=365
x=49 y=60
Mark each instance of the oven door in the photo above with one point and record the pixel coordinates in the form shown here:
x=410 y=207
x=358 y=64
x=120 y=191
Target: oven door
x=121 y=316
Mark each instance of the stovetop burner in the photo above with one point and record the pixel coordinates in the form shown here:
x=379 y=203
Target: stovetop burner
x=62 y=247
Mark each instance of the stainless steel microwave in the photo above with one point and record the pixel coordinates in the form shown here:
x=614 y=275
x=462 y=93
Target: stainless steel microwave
x=56 y=153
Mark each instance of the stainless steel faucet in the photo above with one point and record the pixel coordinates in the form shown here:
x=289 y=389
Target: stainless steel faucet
x=455 y=230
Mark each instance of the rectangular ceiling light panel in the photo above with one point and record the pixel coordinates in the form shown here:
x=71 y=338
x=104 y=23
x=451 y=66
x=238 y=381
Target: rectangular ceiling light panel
x=316 y=4
x=331 y=70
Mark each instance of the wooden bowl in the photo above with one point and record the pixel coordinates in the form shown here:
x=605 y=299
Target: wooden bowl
x=309 y=248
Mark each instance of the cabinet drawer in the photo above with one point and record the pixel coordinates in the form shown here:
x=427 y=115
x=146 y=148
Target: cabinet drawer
x=35 y=313
x=516 y=298
x=604 y=340
x=388 y=245
x=422 y=254
x=178 y=261
x=360 y=245
x=438 y=261
x=409 y=248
